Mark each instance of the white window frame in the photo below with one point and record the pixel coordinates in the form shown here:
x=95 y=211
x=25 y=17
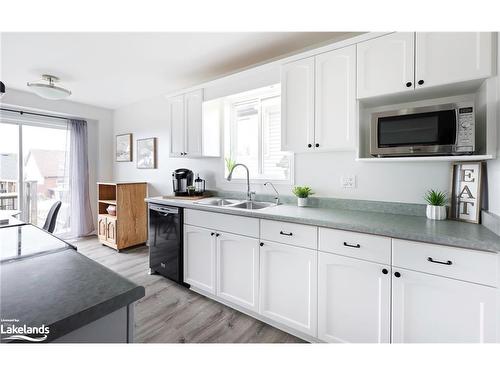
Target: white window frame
x=230 y=121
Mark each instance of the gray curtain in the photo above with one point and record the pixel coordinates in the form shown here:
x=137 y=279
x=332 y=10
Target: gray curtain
x=82 y=222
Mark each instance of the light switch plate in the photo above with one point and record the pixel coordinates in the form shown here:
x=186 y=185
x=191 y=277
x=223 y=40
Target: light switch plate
x=348 y=182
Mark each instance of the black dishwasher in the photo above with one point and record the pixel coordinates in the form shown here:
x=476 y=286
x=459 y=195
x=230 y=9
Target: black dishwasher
x=165 y=241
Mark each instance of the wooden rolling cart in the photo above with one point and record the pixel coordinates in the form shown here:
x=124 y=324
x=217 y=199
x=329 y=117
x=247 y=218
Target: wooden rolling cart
x=129 y=226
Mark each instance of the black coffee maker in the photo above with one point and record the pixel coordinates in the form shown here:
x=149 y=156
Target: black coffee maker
x=181 y=179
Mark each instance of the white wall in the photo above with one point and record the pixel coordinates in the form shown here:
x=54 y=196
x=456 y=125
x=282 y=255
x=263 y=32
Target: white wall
x=396 y=182
x=100 y=131
x=494 y=165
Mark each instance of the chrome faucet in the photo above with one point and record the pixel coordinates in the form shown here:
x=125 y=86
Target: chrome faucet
x=250 y=194
x=277 y=197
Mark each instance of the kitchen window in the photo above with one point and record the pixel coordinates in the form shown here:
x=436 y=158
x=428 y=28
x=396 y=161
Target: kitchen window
x=253 y=135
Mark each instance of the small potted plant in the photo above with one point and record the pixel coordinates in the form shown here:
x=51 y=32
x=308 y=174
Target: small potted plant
x=302 y=193
x=436 y=200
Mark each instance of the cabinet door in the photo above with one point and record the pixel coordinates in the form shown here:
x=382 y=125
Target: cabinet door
x=297 y=105
x=354 y=299
x=385 y=65
x=288 y=286
x=335 y=127
x=238 y=269
x=177 y=127
x=199 y=258
x=101 y=227
x=193 y=102
x=434 y=309
x=111 y=230
x=443 y=58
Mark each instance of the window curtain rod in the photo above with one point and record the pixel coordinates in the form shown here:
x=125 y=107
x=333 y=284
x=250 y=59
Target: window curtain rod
x=34 y=113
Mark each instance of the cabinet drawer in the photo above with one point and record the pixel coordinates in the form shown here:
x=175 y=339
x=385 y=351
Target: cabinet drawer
x=468 y=265
x=289 y=233
x=245 y=226
x=356 y=245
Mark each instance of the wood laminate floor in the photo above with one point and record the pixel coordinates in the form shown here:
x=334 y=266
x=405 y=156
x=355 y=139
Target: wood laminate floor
x=169 y=313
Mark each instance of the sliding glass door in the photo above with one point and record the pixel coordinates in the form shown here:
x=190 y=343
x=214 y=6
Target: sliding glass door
x=9 y=167
x=34 y=172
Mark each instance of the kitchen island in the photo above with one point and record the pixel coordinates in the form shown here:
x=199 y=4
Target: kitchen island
x=51 y=293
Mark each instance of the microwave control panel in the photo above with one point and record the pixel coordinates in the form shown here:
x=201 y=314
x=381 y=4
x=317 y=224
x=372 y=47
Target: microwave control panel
x=466 y=129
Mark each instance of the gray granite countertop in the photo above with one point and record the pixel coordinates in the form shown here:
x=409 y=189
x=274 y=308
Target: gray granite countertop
x=63 y=290
x=415 y=228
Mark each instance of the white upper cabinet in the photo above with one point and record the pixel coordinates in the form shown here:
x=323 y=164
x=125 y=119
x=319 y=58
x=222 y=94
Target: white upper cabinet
x=353 y=300
x=177 y=129
x=193 y=102
x=288 y=286
x=335 y=122
x=443 y=58
x=238 y=270
x=385 y=65
x=297 y=105
x=187 y=128
x=434 y=309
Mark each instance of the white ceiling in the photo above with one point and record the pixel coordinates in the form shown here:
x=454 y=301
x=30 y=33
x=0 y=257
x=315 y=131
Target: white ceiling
x=115 y=69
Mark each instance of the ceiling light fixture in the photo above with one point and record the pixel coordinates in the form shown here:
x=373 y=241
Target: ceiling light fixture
x=46 y=88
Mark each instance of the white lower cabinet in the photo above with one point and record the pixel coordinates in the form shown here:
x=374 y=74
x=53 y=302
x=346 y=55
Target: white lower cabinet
x=238 y=270
x=288 y=286
x=199 y=258
x=354 y=298
x=434 y=309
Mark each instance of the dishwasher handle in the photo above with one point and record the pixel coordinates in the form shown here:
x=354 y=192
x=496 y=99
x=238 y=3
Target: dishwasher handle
x=164 y=209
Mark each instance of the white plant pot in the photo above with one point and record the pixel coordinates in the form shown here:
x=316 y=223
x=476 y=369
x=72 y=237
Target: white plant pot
x=436 y=212
x=302 y=202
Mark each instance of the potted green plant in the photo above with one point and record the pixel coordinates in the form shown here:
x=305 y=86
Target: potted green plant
x=302 y=193
x=436 y=204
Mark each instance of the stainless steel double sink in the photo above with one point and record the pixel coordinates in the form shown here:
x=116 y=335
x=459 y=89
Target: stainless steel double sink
x=234 y=203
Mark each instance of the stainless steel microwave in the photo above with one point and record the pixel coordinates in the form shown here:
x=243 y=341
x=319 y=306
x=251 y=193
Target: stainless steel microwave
x=446 y=129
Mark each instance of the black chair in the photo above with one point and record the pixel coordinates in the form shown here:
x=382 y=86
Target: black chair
x=50 y=221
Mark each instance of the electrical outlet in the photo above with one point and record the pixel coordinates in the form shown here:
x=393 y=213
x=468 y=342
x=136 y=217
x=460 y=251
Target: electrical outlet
x=348 y=182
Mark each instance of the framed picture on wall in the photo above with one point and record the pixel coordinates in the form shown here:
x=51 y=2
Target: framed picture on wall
x=466 y=191
x=124 y=147
x=146 y=153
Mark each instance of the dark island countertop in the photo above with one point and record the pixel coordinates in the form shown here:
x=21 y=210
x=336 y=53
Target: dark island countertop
x=408 y=227
x=62 y=289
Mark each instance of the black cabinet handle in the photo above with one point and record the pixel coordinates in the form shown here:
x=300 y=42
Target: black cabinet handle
x=217 y=234
x=261 y=244
x=212 y=233
x=357 y=246
x=408 y=84
x=317 y=144
x=421 y=82
x=285 y=233
x=447 y=263
x=397 y=274
x=309 y=145
x=385 y=271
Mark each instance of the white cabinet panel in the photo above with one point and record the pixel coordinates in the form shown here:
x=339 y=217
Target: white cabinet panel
x=353 y=300
x=443 y=58
x=297 y=105
x=288 y=286
x=434 y=309
x=335 y=122
x=238 y=269
x=245 y=226
x=289 y=233
x=199 y=258
x=385 y=65
x=176 y=117
x=193 y=104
